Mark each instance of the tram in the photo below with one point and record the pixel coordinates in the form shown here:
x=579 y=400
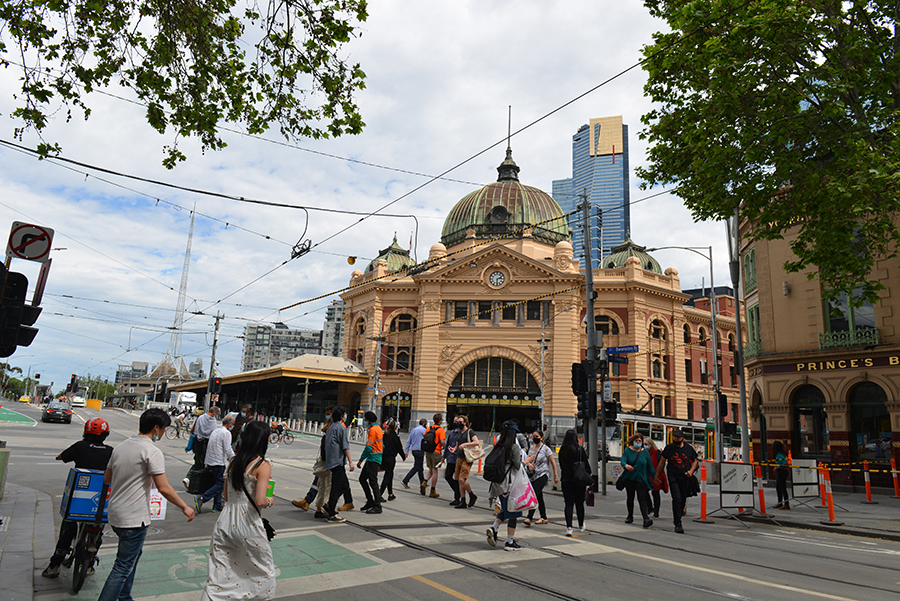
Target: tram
x=698 y=433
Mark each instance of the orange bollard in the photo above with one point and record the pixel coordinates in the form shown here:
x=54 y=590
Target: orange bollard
x=868 y=500
x=822 y=486
x=761 y=492
x=896 y=476
x=479 y=467
x=790 y=458
x=831 y=521
x=702 y=519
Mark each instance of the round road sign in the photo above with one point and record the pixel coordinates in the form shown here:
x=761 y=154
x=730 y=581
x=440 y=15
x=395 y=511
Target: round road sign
x=29 y=242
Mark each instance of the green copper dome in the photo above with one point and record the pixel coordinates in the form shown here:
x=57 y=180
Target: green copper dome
x=504 y=207
x=618 y=255
x=396 y=257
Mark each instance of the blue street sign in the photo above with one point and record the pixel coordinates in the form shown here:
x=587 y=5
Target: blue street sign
x=622 y=349
x=617 y=359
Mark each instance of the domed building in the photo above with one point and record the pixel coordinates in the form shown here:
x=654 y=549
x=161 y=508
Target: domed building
x=462 y=331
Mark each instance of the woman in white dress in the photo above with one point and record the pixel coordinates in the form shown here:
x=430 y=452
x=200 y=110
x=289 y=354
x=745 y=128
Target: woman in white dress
x=240 y=558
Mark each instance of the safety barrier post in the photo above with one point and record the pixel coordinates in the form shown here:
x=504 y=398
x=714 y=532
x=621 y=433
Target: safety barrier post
x=831 y=521
x=702 y=519
x=761 y=492
x=868 y=500
x=478 y=471
x=896 y=476
x=822 y=486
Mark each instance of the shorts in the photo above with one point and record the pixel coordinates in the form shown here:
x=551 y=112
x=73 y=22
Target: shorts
x=433 y=459
x=462 y=469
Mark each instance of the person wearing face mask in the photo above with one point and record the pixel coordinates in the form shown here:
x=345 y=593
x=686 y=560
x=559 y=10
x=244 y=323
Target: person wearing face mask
x=371 y=455
x=245 y=416
x=638 y=476
x=218 y=453
x=202 y=430
x=538 y=464
x=135 y=465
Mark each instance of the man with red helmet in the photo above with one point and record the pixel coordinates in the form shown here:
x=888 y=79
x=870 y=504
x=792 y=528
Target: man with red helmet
x=88 y=453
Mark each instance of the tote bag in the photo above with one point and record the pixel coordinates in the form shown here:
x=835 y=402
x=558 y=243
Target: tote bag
x=521 y=493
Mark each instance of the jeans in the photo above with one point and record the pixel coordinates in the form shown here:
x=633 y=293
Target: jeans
x=538 y=486
x=573 y=495
x=215 y=492
x=121 y=578
x=632 y=487
x=313 y=491
x=678 y=488
x=450 y=478
x=368 y=478
x=387 y=482
x=418 y=460
x=339 y=485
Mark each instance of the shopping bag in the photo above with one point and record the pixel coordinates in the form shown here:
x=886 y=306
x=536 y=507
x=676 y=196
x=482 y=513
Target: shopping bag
x=521 y=493
x=190 y=444
x=158 y=505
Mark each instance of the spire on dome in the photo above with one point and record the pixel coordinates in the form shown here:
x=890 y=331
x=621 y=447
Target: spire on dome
x=508 y=170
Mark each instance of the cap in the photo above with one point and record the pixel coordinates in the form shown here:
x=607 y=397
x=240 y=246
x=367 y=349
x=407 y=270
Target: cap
x=678 y=432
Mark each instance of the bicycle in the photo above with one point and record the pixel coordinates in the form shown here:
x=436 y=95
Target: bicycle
x=176 y=429
x=285 y=436
x=87 y=542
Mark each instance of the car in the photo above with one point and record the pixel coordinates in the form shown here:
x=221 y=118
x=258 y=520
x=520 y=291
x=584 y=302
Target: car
x=24 y=399
x=79 y=401
x=57 y=411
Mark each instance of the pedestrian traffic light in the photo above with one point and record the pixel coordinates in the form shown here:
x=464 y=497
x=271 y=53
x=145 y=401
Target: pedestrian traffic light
x=723 y=405
x=579 y=379
x=16 y=318
x=584 y=406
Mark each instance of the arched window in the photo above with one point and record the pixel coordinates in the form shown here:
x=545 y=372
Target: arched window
x=401 y=352
x=687 y=334
x=703 y=337
x=359 y=335
x=657 y=330
x=607 y=325
x=495 y=372
x=403 y=323
x=657 y=368
x=869 y=421
x=731 y=342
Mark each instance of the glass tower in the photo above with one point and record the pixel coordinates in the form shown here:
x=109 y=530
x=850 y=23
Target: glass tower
x=600 y=166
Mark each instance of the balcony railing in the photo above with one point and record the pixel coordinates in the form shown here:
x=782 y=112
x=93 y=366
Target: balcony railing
x=749 y=282
x=751 y=348
x=857 y=337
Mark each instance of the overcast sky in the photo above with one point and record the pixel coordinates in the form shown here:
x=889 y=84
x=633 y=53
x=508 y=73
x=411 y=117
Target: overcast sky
x=440 y=76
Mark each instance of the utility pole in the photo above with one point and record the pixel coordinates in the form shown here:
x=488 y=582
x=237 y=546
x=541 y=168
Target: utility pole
x=373 y=402
x=212 y=364
x=734 y=263
x=591 y=426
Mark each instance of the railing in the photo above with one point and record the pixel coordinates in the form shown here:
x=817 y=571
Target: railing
x=751 y=349
x=857 y=337
x=749 y=281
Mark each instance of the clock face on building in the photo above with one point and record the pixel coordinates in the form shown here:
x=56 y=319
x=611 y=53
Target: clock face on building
x=497 y=278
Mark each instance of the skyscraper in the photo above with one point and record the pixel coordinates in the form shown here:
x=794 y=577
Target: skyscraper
x=600 y=166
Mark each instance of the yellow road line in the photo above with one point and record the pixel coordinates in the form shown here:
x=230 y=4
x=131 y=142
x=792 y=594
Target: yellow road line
x=443 y=588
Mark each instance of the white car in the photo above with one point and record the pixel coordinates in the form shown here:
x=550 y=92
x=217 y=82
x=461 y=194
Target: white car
x=79 y=401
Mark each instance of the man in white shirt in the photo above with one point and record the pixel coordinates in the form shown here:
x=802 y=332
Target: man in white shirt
x=218 y=453
x=202 y=430
x=136 y=465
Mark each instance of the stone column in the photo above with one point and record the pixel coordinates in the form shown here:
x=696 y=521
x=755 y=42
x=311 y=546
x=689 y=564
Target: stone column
x=839 y=440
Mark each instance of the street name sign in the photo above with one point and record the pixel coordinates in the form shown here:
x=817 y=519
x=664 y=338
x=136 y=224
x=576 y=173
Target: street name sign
x=622 y=349
x=617 y=359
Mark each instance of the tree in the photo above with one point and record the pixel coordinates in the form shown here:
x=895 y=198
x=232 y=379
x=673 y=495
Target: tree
x=790 y=109
x=190 y=63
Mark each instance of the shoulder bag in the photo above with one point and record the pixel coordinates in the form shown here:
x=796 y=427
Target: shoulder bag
x=581 y=472
x=270 y=532
x=475 y=453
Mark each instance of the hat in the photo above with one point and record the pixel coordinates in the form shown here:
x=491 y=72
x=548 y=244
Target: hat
x=678 y=432
x=510 y=425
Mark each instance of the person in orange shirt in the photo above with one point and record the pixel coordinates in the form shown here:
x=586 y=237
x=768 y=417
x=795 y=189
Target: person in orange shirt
x=368 y=478
x=433 y=456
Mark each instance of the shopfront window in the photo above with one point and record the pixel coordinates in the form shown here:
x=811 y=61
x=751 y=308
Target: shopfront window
x=810 y=421
x=870 y=422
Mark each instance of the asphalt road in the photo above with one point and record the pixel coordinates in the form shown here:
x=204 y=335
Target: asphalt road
x=420 y=548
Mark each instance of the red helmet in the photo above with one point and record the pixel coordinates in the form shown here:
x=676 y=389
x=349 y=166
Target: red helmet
x=96 y=426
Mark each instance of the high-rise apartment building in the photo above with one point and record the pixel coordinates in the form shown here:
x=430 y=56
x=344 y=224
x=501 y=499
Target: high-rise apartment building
x=195 y=369
x=600 y=166
x=333 y=330
x=265 y=346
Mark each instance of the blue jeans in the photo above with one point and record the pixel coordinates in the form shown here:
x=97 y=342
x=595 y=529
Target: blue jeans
x=215 y=492
x=121 y=578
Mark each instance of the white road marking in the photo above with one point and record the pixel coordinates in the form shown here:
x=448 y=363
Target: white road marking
x=832 y=545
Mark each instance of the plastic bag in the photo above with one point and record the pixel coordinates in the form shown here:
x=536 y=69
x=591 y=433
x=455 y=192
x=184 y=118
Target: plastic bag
x=521 y=493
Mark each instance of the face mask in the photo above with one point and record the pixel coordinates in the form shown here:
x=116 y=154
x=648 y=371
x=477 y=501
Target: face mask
x=638 y=444
x=156 y=438
x=536 y=440
x=243 y=414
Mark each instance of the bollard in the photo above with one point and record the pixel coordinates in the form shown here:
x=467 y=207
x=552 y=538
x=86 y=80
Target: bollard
x=831 y=521
x=478 y=471
x=896 y=478
x=822 y=486
x=702 y=519
x=759 y=488
x=868 y=500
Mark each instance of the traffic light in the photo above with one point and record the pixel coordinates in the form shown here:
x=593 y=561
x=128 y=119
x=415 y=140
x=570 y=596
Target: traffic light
x=723 y=405
x=729 y=428
x=217 y=385
x=73 y=385
x=584 y=405
x=602 y=364
x=579 y=379
x=611 y=408
x=16 y=318
x=37 y=376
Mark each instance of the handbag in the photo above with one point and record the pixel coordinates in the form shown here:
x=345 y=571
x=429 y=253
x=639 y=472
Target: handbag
x=190 y=444
x=521 y=493
x=581 y=472
x=270 y=532
x=473 y=454
x=620 y=483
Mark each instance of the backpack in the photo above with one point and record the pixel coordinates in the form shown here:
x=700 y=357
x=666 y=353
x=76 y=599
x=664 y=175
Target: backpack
x=495 y=469
x=429 y=441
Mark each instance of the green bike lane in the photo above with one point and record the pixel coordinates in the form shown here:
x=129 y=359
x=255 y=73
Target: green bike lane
x=8 y=416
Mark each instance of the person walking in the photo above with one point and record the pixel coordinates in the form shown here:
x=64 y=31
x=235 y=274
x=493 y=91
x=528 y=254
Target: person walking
x=432 y=444
x=371 y=455
x=202 y=430
x=781 y=474
x=135 y=465
x=663 y=485
x=218 y=454
x=570 y=452
x=467 y=439
x=512 y=454
x=240 y=564
x=336 y=447
x=313 y=491
x=638 y=475
x=538 y=463
x=449 y=455
x=681 y=462
x=393 y=448
x=414 y=446
x=245 y=416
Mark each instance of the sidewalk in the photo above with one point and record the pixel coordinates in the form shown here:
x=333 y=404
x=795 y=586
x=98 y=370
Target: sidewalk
x=27 y=540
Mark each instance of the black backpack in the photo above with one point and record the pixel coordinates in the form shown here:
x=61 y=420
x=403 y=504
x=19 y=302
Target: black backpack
x=429 y=441
x=495 y=469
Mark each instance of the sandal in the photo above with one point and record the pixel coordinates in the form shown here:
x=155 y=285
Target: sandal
x=541 y=521
x=527 y=522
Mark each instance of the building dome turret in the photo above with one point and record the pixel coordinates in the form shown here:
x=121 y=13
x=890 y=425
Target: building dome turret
x=394 y=255
x=620 y=254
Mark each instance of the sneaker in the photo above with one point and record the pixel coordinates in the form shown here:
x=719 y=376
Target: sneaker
x=472 y=499
x=302 y=504
x=366 y=507
x=198 y=502
x=461 y=506
x=423 y=487
x=392 y=498
x=186 y=482
x=337 y=519
x=629 y=520
x=582 y=528
x=491 y=537
x=374 y=510
x=216 y=509
x=434 y=494
x=67 y=562
x=648 y=523
x=513 y=546
x=405 y=484
x=50 y=572
x=454 y=502
x=570 y=533
x=346 y=507
x=321 y=514
x=684 y=512
x=381 y=501
x=679 y=529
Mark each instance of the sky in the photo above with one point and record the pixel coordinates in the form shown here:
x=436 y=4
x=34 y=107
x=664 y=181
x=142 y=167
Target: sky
x=440 y=78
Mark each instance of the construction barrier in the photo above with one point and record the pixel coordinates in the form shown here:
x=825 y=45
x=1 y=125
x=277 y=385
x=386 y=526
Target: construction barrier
x=868 y=500
x=702 y=519
x=822 y=485
x=804 y=478
x=831 y=521
x=759 y=488
x=896 y=479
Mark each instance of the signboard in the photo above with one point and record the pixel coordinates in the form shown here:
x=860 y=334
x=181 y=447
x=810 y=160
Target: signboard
x=29 y=242
x=622 y=349
x=617 y=359
x=736 y=488
x=607 y=391
x=805 y=481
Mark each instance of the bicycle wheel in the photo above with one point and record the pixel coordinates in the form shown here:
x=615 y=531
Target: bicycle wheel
x=273 y=437
x=288 y=438
x=82 y=561
x=171 y=432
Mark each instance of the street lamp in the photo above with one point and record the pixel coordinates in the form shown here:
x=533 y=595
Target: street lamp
x=713 y=306
x=543 y=342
